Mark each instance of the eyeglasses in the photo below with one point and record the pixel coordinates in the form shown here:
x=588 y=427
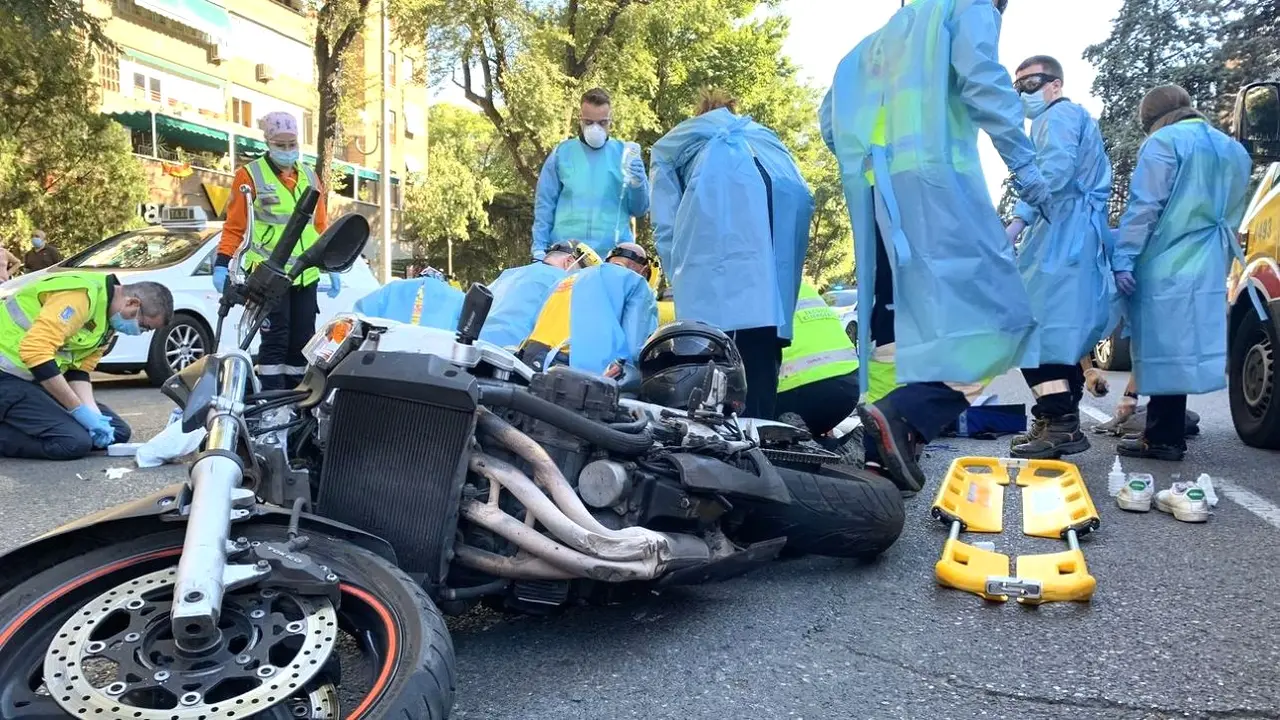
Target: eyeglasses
x=1032 y=83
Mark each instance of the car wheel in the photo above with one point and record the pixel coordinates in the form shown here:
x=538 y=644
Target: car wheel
x=1252 y=383
x=1112 y=352
x=175 y=346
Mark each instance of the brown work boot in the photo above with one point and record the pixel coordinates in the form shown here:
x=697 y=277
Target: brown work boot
x=1061 y=436
x=1037 y=428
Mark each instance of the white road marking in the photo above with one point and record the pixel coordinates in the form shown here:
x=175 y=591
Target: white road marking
x=1255 y=504
x=1095 y=414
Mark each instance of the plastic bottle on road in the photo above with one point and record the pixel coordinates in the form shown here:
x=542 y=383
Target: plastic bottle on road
x=1116 y=478
x=1206 y=483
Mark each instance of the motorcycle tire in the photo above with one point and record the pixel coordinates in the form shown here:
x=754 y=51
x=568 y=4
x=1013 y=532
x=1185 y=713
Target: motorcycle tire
x=839 y=513
x=412 y=674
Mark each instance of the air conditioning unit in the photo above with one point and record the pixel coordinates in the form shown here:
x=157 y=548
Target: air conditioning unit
x=266 y=73
x=218 y=53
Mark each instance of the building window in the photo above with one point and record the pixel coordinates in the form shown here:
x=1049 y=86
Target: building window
x=109 y=69
x=391 y=67
x=308 y=131
x=242 y=112
x=155 y=90
x=139 y=86
x=391 y=126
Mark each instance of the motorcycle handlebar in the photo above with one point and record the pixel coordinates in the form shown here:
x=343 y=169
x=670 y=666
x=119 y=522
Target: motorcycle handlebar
x=298 y=221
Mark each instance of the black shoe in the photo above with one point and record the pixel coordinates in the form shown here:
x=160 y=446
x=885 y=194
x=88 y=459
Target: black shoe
x=898 y=445
x=1061 y=436
x=1193 y=424
x=1139 y=448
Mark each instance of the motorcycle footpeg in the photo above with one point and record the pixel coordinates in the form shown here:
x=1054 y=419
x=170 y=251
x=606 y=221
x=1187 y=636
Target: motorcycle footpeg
x=1014 y=587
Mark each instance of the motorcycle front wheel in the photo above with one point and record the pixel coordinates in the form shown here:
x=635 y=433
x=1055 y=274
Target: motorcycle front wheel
x=90 y=638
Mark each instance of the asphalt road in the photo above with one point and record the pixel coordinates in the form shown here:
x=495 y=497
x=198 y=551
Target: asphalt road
x=1181 y=625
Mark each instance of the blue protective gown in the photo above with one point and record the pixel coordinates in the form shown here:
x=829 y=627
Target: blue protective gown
x=926 y=82
x=583 y=196
x=438 y=306
x=731 y=265
x=612 y=313
x=518 y=295
x=1066 y=264
x=1187 y=197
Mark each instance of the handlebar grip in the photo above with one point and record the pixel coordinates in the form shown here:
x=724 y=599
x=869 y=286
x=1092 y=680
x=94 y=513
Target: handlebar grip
x=475 y=310
x=298 y=221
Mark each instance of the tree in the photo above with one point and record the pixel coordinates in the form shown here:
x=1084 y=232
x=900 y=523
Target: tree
x=452 y=205
x=1152 y=42
x=338 y=26
x=63 y=166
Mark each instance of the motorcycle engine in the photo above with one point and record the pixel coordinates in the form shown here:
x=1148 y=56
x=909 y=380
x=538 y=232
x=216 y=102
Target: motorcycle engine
x=588 y=395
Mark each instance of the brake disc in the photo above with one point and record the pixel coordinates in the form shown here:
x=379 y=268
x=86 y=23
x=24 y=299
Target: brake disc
x=116 y=657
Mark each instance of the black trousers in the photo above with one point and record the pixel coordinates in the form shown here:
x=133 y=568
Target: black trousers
x=1056 y=404
x=761 y=352
x=823 y=404
x=927 y=407
x=35 y=426
x=1167 y=421
x=289 y=326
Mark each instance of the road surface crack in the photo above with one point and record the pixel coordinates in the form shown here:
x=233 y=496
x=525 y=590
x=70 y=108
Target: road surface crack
x=1092 y=703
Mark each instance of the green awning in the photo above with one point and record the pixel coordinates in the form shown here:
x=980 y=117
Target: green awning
x=202 y=15
x=172 y=67
x=186 y=133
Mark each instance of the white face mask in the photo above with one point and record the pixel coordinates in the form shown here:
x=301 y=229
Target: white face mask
x=595 y=136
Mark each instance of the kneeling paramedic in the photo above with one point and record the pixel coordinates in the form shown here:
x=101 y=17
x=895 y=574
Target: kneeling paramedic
x=277 y=180
x=1064 y=263
x=53 y=332
x=948 y=306
x=597 y=317
x=518 y=295
x=427 y=300
x=819 y=379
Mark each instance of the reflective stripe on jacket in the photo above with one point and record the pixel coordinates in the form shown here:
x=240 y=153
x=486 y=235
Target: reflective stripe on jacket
x=272 y=208
x=21 y=309
x=820 y=349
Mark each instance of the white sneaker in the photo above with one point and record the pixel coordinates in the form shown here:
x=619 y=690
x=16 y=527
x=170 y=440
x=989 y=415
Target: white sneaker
x=1185 y=501
x=1136 y=495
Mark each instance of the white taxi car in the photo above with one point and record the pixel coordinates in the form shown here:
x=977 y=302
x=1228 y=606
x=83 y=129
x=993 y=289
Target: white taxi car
x=179 y=255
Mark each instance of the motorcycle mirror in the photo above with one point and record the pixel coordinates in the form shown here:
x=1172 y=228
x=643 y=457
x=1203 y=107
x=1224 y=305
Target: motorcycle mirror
x=337 y=249
x=475 y=310
x=179 y=385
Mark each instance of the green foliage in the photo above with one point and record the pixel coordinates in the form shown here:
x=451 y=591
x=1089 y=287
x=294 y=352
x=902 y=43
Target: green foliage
x=340 y=79
x=63 y=167
x=1153 y=42
x=524 y=65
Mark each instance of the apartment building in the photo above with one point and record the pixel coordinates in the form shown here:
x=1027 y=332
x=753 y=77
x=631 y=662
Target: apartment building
x=192 y=78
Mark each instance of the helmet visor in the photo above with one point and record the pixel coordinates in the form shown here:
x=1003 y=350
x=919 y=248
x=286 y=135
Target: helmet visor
x=682 y=350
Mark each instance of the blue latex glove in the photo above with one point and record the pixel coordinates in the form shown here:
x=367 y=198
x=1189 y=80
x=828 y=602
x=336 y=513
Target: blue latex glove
x=99 y=427
x=335 y=284
x=1125 y=282
x=636 y=171
x=219 y=278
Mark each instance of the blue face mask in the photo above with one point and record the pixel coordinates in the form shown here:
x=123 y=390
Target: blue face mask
x=284 y=158
x=1034 y=104
x=124 y=326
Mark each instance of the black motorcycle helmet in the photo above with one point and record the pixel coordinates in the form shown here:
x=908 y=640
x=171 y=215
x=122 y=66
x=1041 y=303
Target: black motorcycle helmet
x=684 y=362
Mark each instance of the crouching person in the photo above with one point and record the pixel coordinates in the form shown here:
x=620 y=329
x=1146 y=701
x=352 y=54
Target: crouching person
x=52 y=334
x=819 y=378
x=427 y=300
x=597 y=317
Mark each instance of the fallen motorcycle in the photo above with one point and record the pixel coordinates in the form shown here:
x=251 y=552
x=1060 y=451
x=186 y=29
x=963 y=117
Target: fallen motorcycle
x=304 y=569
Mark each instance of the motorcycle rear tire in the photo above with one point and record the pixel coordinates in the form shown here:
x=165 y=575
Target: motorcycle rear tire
x=840 y=513
x=417 y=682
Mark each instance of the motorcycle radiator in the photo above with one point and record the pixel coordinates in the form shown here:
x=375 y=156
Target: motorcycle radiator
x=397 y=454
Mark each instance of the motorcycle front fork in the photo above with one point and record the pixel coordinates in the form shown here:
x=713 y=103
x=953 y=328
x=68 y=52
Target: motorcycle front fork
x=203 y=572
